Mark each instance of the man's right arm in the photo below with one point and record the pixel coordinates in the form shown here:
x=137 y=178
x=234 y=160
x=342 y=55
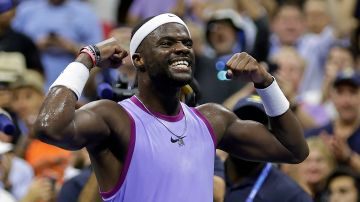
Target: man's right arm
x=58 y=122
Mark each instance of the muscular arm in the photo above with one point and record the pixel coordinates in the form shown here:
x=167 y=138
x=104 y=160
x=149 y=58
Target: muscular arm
x=60 y=124
x=251 y=140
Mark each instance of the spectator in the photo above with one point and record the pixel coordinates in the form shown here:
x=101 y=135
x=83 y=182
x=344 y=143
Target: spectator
x=342 y=135
x=289 y=29
x=226 y=33
x=338 y=59
x=46 y=160
x=313 y=172
x=16 y=174
x=343 y=185
x=243 y=177
x=255 y=10
x=59 y=28
x=28 y=93
x=14 y=41
x=12 y=66
x=316 y=16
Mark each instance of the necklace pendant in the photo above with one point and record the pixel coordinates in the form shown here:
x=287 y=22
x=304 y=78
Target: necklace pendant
x=181 y=142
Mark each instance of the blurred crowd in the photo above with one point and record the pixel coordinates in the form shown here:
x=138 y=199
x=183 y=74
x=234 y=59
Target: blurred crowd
x=311 y=47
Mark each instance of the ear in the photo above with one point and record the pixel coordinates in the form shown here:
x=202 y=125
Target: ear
x=138 y=62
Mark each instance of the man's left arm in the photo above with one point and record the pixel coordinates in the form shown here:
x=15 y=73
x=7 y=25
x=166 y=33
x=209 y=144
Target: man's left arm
x=285 y=142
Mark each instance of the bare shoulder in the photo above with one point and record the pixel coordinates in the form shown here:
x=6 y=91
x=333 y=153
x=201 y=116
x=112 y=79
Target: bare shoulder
x=218 y=116
x=214 y=110
x=111 y=112
x=103 y=107
x=109 y=118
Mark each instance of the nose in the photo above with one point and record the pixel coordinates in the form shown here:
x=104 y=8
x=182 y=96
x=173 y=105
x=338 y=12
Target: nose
x=181 y=48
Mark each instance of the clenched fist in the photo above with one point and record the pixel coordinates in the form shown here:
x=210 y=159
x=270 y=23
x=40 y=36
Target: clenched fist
x=111 y=53
x=107 y=53
x=244 y=66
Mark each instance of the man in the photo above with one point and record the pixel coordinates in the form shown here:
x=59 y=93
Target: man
x=343 y=185
x=288 y=29
x=342 y=135
x=243 y=177
x=59 y=28
x=151 y=147
x=226 y=33
x=12 y=66
x=14 y=41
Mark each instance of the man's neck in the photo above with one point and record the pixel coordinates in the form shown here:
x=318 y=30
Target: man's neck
x=162 y=103
x=346 y=128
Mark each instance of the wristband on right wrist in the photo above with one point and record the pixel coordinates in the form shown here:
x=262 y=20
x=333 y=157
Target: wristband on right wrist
x=74 y=77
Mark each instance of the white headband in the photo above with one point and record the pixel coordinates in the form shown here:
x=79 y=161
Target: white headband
x=150 y=26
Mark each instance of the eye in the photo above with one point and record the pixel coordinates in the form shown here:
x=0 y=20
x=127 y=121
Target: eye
x=343 y=190
x=166 y=43
x=188 y=43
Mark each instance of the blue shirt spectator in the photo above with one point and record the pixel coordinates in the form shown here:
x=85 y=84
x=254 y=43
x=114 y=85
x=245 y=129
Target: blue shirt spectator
x=276 y=187
x=59 y=30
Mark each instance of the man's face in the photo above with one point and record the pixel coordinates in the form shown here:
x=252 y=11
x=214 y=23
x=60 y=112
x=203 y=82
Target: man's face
x=346 y=99
x=26 y=103
x=290 y=67
x=315 y=168
x=340 y=58
x=168 y=55
x=288 y=25
x=343 y=189
x=222 y=37
x=316 y=17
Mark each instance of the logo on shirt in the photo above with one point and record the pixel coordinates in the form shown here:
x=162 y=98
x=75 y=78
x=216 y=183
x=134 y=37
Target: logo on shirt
x=173 y=140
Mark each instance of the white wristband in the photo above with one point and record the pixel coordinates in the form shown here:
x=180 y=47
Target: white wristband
x=274 y=100
x=73 y=77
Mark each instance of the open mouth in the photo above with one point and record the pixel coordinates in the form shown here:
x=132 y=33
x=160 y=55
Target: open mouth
x=180 y=65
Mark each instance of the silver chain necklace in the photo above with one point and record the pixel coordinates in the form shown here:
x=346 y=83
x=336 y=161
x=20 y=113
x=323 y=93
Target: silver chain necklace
x=179 y=138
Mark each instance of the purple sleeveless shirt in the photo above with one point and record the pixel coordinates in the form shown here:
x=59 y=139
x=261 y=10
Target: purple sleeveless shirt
x=157 y=170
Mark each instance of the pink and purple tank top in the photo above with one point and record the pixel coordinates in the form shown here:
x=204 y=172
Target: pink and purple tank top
x=157 y=168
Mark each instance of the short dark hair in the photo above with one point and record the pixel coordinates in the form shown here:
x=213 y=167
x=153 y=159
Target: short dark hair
x=345 y=171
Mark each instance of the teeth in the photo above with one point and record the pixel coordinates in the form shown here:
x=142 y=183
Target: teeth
x=181 y=63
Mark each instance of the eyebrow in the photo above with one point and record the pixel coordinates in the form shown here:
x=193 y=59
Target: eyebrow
x=170 y=38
